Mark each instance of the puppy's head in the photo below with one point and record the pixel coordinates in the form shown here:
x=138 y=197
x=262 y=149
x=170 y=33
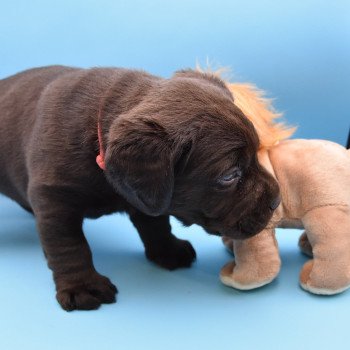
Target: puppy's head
x=188 y=151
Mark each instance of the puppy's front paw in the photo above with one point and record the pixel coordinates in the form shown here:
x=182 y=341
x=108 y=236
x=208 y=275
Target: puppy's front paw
x=174 y=254
x=86 y=295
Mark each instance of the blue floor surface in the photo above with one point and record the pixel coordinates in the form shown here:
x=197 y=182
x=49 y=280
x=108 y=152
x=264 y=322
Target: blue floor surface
x=157 y=309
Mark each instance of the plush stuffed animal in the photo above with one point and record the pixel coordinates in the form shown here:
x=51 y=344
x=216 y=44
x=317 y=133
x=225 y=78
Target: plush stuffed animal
x=314 y=179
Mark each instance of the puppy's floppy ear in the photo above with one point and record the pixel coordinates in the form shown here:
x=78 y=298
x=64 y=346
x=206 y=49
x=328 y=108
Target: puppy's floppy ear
x=140 y=163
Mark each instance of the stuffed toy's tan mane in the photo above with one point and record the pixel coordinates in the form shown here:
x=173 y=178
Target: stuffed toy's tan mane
x=258 y=109
x=260 y=112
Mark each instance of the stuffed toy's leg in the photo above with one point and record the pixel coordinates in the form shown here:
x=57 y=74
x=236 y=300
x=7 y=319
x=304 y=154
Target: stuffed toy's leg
x=304 y=245
x=228 y=242
x=328 y=230
x=256 y=263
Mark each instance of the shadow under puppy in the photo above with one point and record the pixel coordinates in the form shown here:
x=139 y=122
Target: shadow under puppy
x=175 y=146
x=314 y=179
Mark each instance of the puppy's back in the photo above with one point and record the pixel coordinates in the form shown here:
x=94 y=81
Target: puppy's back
x=44 y=111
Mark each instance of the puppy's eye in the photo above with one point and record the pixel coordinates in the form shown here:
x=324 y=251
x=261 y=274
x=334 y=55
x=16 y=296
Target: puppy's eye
x=230 y=177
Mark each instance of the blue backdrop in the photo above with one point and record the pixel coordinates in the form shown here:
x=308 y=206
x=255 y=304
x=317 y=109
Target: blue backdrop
x=299 y=52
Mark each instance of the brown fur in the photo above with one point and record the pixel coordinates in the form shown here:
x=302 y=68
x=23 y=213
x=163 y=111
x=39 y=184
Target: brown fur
x=256 y=107
x=170 y=146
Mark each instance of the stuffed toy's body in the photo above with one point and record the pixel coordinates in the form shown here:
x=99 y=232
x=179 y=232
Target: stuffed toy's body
x=314 y=180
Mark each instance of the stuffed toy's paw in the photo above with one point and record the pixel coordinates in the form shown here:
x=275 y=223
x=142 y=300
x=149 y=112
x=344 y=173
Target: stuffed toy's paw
x=245 y=279
x=256 y=263
x=304 y=245
x=314 y=280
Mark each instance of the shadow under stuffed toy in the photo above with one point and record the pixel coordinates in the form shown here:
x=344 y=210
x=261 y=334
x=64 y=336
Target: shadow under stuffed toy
x=314 y=180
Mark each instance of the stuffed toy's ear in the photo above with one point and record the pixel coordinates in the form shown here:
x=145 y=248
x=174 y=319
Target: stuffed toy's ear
x=140 y=164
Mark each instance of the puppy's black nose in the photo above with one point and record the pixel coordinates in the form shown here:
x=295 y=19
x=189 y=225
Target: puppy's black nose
x=275 y=203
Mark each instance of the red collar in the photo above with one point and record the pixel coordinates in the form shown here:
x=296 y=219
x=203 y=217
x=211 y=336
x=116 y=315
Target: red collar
x=100 y=159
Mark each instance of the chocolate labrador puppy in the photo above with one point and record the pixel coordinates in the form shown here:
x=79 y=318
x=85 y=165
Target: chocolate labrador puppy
x=175 y=146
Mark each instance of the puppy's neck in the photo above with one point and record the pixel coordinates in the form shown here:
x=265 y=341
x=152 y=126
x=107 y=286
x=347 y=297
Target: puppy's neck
x=100 y=159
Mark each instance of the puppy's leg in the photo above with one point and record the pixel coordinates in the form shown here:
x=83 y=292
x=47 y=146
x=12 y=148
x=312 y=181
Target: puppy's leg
x=161 y=246
x=304 y=244
x=78 y=284
x=256 y=263
x=328 y=230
